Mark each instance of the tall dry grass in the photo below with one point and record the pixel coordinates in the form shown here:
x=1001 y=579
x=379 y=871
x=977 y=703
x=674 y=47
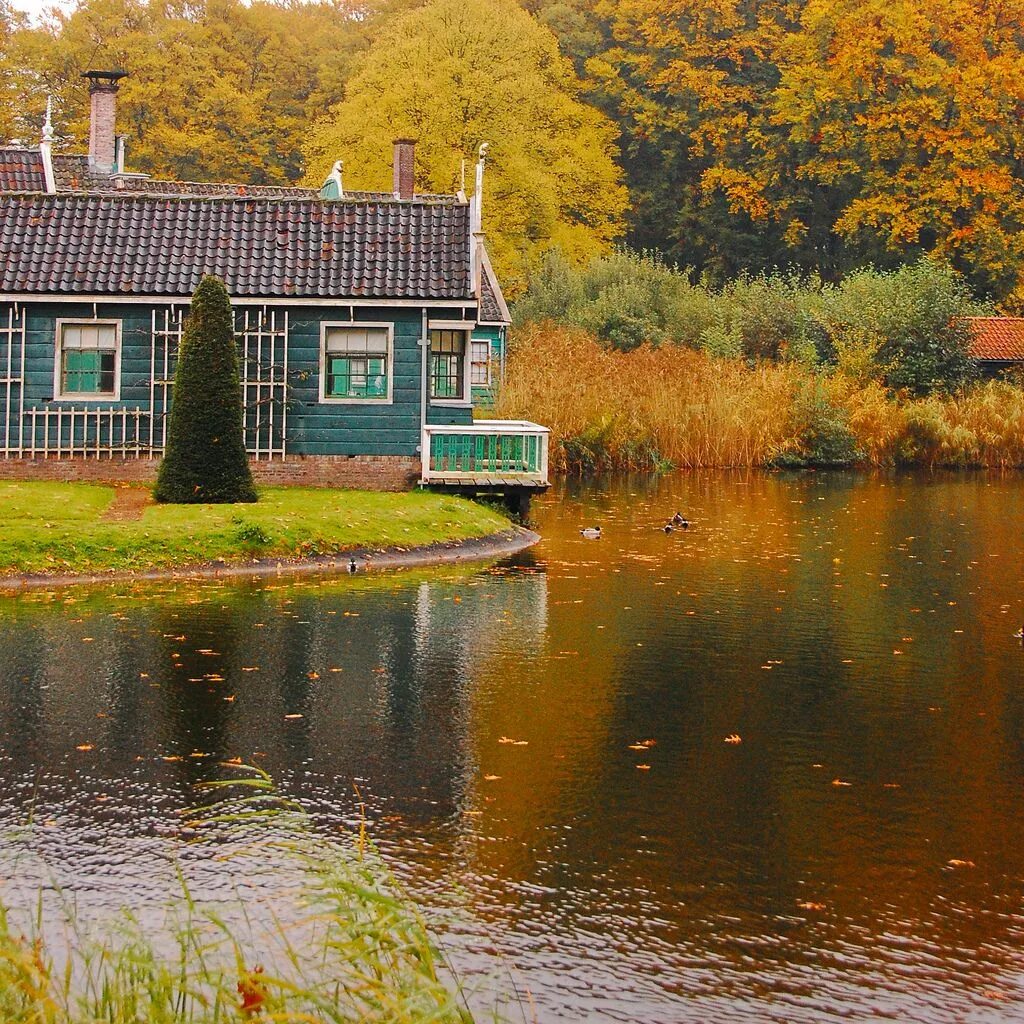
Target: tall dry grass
x=671 y=405
x=609 y=409
x=982 y=427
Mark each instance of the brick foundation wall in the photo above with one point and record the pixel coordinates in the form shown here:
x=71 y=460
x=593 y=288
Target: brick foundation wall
x=363 y=472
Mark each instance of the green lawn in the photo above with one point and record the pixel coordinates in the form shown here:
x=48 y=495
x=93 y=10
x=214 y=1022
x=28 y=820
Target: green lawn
x=60 y=528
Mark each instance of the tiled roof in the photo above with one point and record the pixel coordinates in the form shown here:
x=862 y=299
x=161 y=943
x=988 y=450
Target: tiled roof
x=997 y=338
x=72 y=174
x=145 y=245
x=21 y=170
x=223 y=189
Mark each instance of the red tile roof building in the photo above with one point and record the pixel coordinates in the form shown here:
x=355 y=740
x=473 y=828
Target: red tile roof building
x=997 y=339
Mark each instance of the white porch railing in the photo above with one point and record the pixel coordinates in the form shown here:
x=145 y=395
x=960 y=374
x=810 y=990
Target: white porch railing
x=486 y=452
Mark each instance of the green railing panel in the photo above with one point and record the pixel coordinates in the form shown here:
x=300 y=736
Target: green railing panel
x=485 y=454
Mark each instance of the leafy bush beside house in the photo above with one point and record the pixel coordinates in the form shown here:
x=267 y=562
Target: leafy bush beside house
x=904 y=328
x=909 y=323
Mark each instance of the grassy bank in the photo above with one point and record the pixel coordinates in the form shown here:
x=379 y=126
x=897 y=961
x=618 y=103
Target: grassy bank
x=61 y=528
x=675 y=406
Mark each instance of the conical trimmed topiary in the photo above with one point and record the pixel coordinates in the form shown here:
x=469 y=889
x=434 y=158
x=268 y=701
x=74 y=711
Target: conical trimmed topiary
x=205 y=459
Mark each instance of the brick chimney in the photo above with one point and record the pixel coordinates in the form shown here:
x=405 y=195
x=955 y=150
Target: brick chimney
x=405 y=168
x=103 y=87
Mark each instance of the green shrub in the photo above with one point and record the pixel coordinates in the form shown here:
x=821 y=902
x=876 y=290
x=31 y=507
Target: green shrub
x=904 y=328
x=822 y=432
x=252 y=535
x=626 y=299
x=205 y=459
x=555 y=290
x=774 y=317
x=908 y=324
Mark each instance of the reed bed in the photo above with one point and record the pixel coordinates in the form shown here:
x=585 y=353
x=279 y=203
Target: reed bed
x=981 y=427
x=637 y=410
x=673 y=406
x=336 y=942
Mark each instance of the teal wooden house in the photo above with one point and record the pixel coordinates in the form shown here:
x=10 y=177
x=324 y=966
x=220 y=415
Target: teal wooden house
x=370 y=325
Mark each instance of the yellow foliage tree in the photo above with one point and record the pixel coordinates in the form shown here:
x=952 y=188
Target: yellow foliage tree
x=8 y=25
x=454 y=74
x=217 y=89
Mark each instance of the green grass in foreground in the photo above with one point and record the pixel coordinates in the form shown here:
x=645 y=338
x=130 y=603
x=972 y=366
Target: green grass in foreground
x=327 y=936
x=60 y=528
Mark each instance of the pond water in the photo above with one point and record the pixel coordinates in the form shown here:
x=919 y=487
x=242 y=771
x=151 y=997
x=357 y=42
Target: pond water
x=855 y=852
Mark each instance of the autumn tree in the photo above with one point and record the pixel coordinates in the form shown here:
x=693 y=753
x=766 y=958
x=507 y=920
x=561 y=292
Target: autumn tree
x=818 y=134
x=217 y=89
x=687 y=81
x=912 y=111
x=10 y=23
x=454 y=75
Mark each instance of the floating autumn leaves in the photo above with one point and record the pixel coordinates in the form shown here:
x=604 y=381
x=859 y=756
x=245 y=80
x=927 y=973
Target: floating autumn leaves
x=734 y=738
x=643 y=745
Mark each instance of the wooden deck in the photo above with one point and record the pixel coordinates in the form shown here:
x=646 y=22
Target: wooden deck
x=485 y=482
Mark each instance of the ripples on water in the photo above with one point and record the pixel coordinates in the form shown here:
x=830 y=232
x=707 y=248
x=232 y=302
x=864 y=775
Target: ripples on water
x=856 y=634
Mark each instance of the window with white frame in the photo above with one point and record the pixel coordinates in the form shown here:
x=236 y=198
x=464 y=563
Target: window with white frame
x=448 y=364
x=480 y=363
x=357 y=363
x=88 y=359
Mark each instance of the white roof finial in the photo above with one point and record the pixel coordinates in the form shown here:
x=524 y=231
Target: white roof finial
x=45 y=147
x=332 y=187
x=48 y=123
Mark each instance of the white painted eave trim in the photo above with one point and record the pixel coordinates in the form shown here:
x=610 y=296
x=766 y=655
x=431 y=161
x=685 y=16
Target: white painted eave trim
x=488 y=427
x=488 y=269
x=451 y=325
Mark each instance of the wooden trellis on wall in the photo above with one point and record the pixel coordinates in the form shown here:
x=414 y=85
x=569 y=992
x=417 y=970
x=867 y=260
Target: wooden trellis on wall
x=164 y=339
x=263 y=334
x=60 y=430
x=12 y=366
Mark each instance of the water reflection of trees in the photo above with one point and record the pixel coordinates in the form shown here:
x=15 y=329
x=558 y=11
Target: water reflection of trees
x=782 y=622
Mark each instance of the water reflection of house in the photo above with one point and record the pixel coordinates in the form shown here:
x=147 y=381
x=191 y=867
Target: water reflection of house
x=323 y=683
x=485 y=622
